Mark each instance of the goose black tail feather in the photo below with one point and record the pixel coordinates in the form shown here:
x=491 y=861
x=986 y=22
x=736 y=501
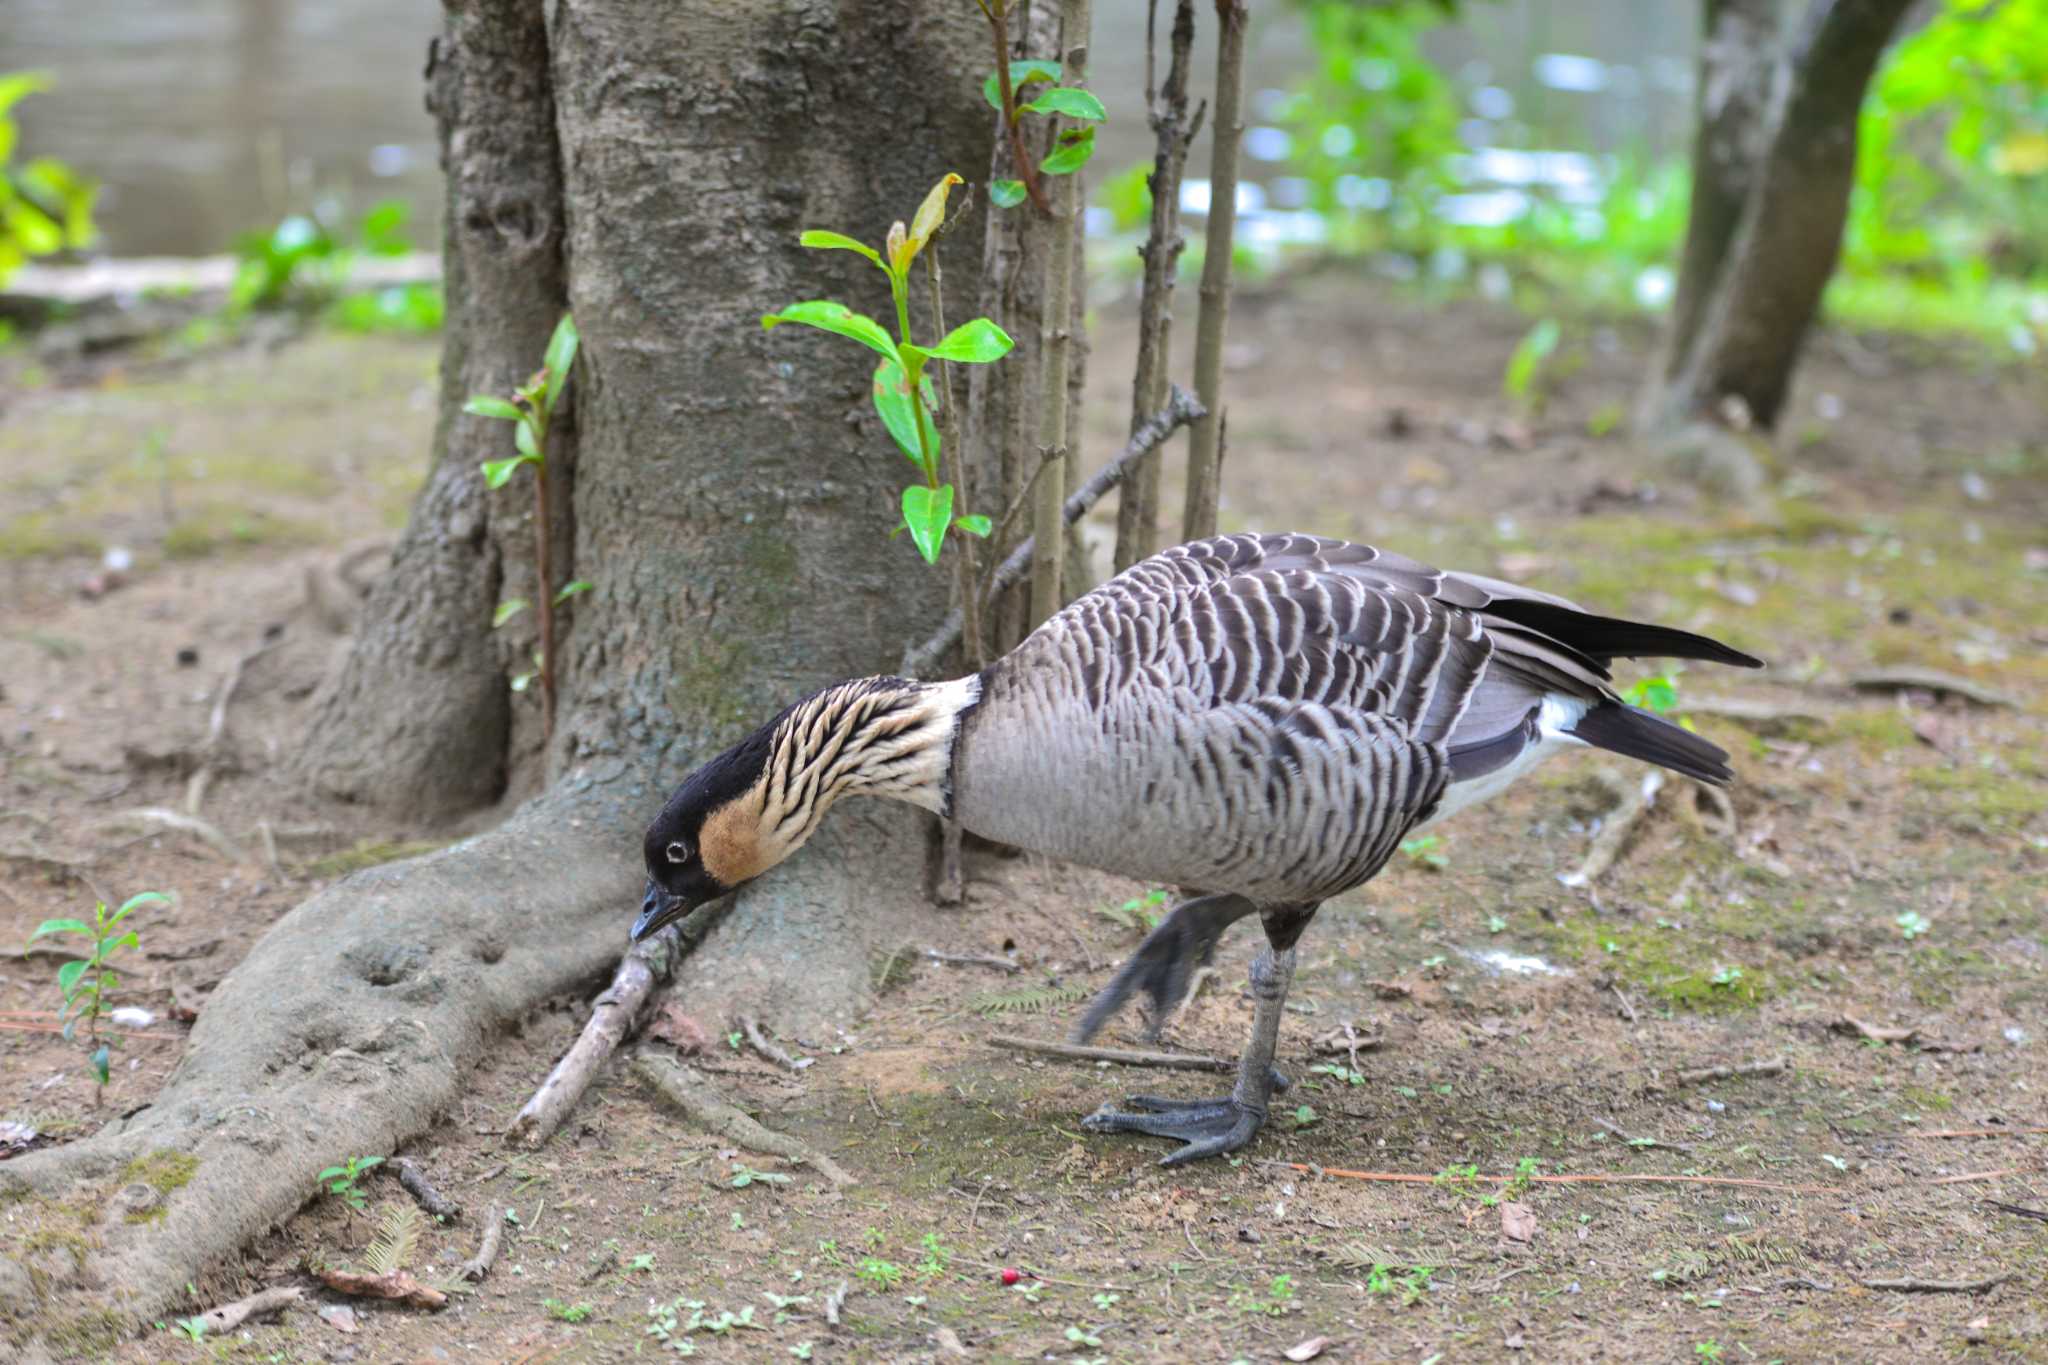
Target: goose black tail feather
x=1610 y=637
x=1636 y=733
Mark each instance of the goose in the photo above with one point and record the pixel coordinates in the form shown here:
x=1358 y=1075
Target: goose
x=1262 y=717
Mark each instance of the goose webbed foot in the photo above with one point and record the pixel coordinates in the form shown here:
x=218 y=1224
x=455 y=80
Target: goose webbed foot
x=1166 y=962
x=1206 y=1127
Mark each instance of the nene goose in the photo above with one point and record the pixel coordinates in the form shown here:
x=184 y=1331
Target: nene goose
x=1264 y=717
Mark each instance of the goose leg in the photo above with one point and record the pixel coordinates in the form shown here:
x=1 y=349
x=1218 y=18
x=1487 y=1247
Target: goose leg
x=1166 y=962
x=1212 y=1127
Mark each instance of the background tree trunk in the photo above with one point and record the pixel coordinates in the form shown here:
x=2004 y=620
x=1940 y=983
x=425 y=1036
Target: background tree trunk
x=1752 y=281
x=419 y=717
x=731 y=496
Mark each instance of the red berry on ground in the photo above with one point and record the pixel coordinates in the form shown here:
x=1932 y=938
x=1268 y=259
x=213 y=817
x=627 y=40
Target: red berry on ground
x=1011 y=1275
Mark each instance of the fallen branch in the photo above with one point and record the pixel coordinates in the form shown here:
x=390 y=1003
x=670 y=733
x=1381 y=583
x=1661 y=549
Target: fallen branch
x=2018 y=1210
x=229 y=1316
x=1406 y=1178
x=1636 y=1140
x=701 y=1104
x=398 y=1286
x=1606 y=846
x=835 y=1301
x=1180 y=409
x=1762 y=717
x=760 y=1043
x=1911 y=1285
x=1849 y=1023
x=1909 y=678
x=1001 y=964
x=1972 y=1133
x=1771 y=1067
x=1975 y=1176
x=613 y=1015
x=415 y=1182
x=1178 y=1061
x=184 y=824
x=479 y=1265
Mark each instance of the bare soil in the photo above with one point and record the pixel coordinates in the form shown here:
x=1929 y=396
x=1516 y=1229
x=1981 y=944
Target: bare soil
x=1887 y=862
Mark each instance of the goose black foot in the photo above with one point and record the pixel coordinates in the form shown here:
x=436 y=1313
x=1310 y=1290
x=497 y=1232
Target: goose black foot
x=1207 y=1127
x=1166 y=962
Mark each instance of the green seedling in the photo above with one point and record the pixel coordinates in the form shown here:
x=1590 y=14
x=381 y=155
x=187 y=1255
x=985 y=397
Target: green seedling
x=566 y=1312
x=87 y=981
x=344 y=1182
x=1139 y=911
x=1422 y=851
x=530 y=410
x=905 y=398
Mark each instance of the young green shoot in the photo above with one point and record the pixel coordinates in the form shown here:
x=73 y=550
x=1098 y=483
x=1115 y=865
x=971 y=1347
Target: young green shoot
x=343 y=1182
x=903 y=395
x=530 y=410
x=86 y=982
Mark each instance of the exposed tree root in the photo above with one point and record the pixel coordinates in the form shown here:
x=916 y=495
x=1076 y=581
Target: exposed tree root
x=1079 y=1052
x=701 y=1104
x=348 y=1028
x=761 y=1043
x=415 y=1182
x=479 y=1265
x=1607 y=844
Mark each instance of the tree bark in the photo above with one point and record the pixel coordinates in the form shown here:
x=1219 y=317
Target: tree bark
x=419 y=717
x=1750 y=305
x=732 y=495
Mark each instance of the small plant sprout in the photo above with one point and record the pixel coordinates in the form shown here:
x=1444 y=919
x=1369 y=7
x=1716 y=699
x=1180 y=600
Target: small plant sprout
x=1658 y=693
x=1138 y=911
x=1105 y=1300
x=1912 y=924
x=1422 y=851
x=1727 y=977
x=530 y=409
x=1014 y=90
x=1082 y=1336
x=904 y=395
x=193 y=1328
x=878 y=1272
x=87 y=981
x=1304 y=1116
x=1523 y=380
x=343 y=1182
x=566 y=1312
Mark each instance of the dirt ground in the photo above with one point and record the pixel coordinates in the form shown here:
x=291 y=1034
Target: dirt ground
x=1885 y=860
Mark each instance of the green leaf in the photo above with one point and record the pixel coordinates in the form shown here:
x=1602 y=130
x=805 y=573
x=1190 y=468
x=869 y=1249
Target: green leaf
x=974 y=524
x=892 y=402
x=1006 y=194
x=1070 y=101
x=136 y=901
x=839 y=241
x=1528 y=358
x=68 y=974
x=99 y=1063
x=528 y=444
x=972 y=343
x=496 y=472
x=558 y=360
x=931 y=214
x=16 y=84
x=928 y=511
x=836 y=317
x=569 y=590
x=60 y=926
x=1072 y=154
x=110 y=946
x=507 y=609
x=1021 y=74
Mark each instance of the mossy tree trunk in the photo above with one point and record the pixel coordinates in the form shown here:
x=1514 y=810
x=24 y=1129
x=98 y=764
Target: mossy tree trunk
x=1774 y=160
x=731 y=493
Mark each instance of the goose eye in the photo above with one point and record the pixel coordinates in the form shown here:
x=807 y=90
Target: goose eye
x=679 y=852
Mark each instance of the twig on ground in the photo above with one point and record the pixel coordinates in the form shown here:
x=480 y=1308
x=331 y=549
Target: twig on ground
x=1614 y=832
x=1626 y=1008
x=613 y=1015
x=183 y=824
x=1001 y=964
x=702 y=1105
x=1407 y=1178
x=1802 y=1282
x=1913 y=1285
x=1771 y=1067
x=415 y=1182
x=759 y=1041
x=1180 y=409
x=2019 y=1210
x=226 y=1318
x=1975 y=1176
x=479 y=1265
x=834 y=1301
x=1637 y=1140
x=1179 y=1061
x=217 y=725
x=1972 y=1133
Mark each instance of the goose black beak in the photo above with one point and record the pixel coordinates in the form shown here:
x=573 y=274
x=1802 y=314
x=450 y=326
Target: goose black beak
x=658 y=908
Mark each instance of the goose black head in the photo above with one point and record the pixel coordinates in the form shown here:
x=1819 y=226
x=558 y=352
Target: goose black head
x=708 y=840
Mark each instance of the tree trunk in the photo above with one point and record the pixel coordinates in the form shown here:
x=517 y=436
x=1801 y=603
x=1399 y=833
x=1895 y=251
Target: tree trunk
x=1753 y=279
x=732 y=496
x=419 y=718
